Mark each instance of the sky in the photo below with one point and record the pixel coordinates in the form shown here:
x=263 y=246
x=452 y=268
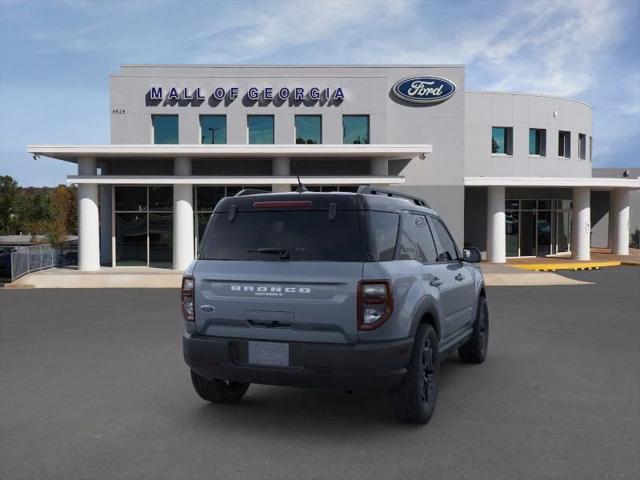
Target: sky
x=56 y=56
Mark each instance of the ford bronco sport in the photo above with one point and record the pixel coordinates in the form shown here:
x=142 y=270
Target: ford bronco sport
x=363 y=290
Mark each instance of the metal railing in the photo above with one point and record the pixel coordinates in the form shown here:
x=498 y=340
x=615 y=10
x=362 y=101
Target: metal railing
x=33 y=258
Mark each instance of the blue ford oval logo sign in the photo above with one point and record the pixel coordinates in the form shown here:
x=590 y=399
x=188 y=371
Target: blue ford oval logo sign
x=424 y=89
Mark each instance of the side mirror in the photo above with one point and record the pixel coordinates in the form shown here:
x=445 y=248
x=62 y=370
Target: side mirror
x=471 y=255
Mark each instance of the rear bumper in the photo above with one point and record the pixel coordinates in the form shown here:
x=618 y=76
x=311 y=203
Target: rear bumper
x=372 y=366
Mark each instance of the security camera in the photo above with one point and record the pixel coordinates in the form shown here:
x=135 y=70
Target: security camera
x=422 y=156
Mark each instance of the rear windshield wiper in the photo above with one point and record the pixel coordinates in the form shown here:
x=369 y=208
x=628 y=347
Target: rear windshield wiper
x=283 y=252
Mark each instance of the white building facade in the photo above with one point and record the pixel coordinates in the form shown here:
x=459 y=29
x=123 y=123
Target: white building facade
x=510 y=173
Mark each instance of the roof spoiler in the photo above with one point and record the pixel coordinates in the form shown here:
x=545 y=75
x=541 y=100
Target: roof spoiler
x=390 y=193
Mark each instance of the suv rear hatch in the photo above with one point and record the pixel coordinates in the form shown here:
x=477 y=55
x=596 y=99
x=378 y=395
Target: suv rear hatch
x=281 y=267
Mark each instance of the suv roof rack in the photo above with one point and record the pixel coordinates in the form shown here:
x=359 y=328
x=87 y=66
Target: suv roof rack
x=390 y=193
x=250 y=191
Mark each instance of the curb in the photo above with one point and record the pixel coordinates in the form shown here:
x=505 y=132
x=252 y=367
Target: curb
x=573 y=266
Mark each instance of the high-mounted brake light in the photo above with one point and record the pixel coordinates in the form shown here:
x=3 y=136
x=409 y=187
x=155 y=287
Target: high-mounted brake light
x=284 y=204
x=375 y=303
x=186 y=299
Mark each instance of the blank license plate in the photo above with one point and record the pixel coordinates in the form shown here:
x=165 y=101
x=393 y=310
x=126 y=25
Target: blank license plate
x=269 y=353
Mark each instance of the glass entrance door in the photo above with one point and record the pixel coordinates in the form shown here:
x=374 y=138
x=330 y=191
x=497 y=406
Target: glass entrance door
x=537 y=227
x=143 y=221
x=527 y=233
x=131 y=239
x=544 y=234
x=512 y=228
x=161 y=240
x=562 y=231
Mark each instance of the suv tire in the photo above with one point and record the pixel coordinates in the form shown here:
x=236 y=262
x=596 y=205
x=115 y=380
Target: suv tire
x=475 y=350
x=415 y=400
x=217 y=390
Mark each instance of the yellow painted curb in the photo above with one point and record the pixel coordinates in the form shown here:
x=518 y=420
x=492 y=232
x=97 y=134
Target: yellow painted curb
x=552 y=267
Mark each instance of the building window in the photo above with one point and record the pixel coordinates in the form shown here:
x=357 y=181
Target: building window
x=213 y=129
x=332 y=188
x=260 y=129
x=538 y=142
x=165 y=128
x=355 y=129
x=590 y=148
x=502 y=140
x=308 y=129
x=582 y=146
x=564 y=144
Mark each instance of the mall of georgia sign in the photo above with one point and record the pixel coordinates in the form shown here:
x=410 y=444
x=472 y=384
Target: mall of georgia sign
x=253 y=94
x=424 y=90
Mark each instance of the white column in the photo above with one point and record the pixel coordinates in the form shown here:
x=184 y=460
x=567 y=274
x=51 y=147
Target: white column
x=496 y=227
x=379 y=167
x=88 y=219
x=183 y=253
x=280 y=167
x=619 y=218
x=581 y=224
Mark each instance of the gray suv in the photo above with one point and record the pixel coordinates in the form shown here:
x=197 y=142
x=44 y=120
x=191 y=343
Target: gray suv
x=363 y=290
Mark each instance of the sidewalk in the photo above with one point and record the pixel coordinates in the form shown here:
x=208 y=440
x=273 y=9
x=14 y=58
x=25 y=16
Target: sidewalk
x=600 y=258
x=604 y=254
x=106 y=277
x=503 y=275
x=142 y=277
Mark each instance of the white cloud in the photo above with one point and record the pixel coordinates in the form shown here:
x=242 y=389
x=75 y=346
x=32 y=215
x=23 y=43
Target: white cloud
x=556 y=48
x=324 y=27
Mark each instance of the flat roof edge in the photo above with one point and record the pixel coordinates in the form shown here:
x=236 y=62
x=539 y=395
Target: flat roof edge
x=291 y=65
x=69 y=152
x=234 y=180
x=543 y=95
x=561 y=182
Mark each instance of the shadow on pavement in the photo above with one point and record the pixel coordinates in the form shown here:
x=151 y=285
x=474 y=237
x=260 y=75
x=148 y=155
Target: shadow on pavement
x=267 y=410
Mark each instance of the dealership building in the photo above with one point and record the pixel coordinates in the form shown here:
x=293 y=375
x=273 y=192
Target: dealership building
x=510 y=173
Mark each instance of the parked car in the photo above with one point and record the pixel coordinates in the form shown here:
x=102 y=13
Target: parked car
x=363 y=290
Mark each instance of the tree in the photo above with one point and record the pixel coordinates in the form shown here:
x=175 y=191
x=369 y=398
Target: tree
x=64 y=206
x=34 y=211
x=8 y=199
x=37 y=211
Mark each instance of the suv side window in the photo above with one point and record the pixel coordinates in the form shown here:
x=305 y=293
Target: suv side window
x=447 y=250
x=416 y=242
x=383 y=234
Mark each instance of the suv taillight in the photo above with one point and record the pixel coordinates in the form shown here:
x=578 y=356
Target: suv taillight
x=375 y=303
x=186 y=299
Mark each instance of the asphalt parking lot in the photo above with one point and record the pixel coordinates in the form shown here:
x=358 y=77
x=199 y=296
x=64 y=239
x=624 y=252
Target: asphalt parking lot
x=92 y=385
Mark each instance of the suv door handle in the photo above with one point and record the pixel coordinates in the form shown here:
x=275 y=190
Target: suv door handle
x=459 y=277
x=435 y=282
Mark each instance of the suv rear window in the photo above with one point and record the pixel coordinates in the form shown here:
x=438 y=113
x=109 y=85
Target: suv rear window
x=284 y=235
